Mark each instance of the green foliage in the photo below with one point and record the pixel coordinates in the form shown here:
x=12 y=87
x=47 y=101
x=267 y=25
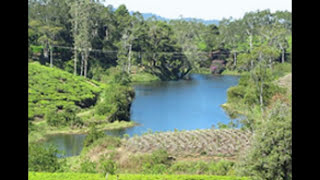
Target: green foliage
x=87 y=166
x=103 y=141
x=88 y=176
x=270 y=156
x=92 y=136
x=36 y=49
x=246 y=92
x=115 y=102
x=143 y=77
x=108 y=166
x=51 y=89
x=156 y=163
x=67 y=117
x=221 y=167
x=281 y=69
x=43 y=158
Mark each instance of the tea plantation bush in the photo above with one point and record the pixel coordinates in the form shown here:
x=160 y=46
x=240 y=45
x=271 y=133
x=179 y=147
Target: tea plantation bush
x=52 y=89
x=87 y=176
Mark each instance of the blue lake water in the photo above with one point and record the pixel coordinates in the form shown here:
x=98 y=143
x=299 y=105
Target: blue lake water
x=165 y=106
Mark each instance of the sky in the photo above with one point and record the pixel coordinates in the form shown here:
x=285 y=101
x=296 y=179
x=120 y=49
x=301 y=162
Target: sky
x=204 y=9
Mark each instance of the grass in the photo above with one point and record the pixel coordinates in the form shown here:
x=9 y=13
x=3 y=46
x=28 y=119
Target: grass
x=89 y=176
x=231 y=73
x=143 y=77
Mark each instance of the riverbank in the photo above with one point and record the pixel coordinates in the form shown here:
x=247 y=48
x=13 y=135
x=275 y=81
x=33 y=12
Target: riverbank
x=46 y=130
x=143 y=77
x=232 y=73
x=207 y=151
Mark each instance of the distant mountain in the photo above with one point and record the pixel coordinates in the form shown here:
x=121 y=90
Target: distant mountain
x=206 y=22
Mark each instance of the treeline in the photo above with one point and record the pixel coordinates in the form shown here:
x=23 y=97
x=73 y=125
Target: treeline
x=85 y=38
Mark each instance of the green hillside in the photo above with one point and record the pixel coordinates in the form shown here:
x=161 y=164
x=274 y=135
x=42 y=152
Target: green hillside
x=52 y=88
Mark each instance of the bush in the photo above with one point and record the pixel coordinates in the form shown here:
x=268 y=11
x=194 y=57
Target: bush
x=66 y=117
x=270 y=155
x=116 y=102
x=87 y=166
x=92 y=136
x=108 y=166
x=281 y=69
x=156 y=162
x=43 y=158
x=221 y=167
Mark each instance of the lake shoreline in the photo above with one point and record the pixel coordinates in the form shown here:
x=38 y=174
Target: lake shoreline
x=111 y=126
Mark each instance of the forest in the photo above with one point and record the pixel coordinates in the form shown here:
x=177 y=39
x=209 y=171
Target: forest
x=84 y=58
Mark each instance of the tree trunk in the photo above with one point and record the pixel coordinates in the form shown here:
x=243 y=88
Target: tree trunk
x=46 y=53
x=81 y=68
x=251 y=63
x=282 y=58
x=75 y=48
x=86 y=55
x=250 y=39
x=129 y=59
x=235 y=58
x=75 y=61
x=261 y=96
x=51 y=58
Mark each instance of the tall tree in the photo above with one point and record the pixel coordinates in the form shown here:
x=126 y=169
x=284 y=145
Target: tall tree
x=164 y=57
x=82 y=32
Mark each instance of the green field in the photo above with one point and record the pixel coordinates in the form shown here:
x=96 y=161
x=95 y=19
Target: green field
x=87 y=176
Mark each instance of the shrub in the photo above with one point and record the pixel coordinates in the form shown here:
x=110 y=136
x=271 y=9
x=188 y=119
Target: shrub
x=116 y=102
x=43 y=158
x=92 y=136
x=108 y=166
x=221 y=167
x=87 y=166
x=67 y=116
x=270 y=154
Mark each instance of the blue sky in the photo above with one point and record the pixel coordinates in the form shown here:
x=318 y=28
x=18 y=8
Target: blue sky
x=204 y=9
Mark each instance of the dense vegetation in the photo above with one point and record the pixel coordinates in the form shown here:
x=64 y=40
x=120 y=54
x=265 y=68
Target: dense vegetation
x=60 y=102
x=88 y=45
x=53 y=89
x=84 y=56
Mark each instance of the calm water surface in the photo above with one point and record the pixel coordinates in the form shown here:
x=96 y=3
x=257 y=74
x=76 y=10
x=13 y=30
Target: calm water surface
x=165 y=106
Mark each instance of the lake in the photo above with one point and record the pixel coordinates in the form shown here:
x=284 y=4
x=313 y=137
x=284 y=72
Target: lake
x=166 y=106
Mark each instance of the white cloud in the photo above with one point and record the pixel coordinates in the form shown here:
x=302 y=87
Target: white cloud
x=205 y=9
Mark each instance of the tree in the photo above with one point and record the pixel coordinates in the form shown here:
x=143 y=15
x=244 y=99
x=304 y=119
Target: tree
x=93 y=135
x=82 y=32
x=261 y=74
x=189 y=34
x=164 y=57
x=269 y=157
x=45 y=25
